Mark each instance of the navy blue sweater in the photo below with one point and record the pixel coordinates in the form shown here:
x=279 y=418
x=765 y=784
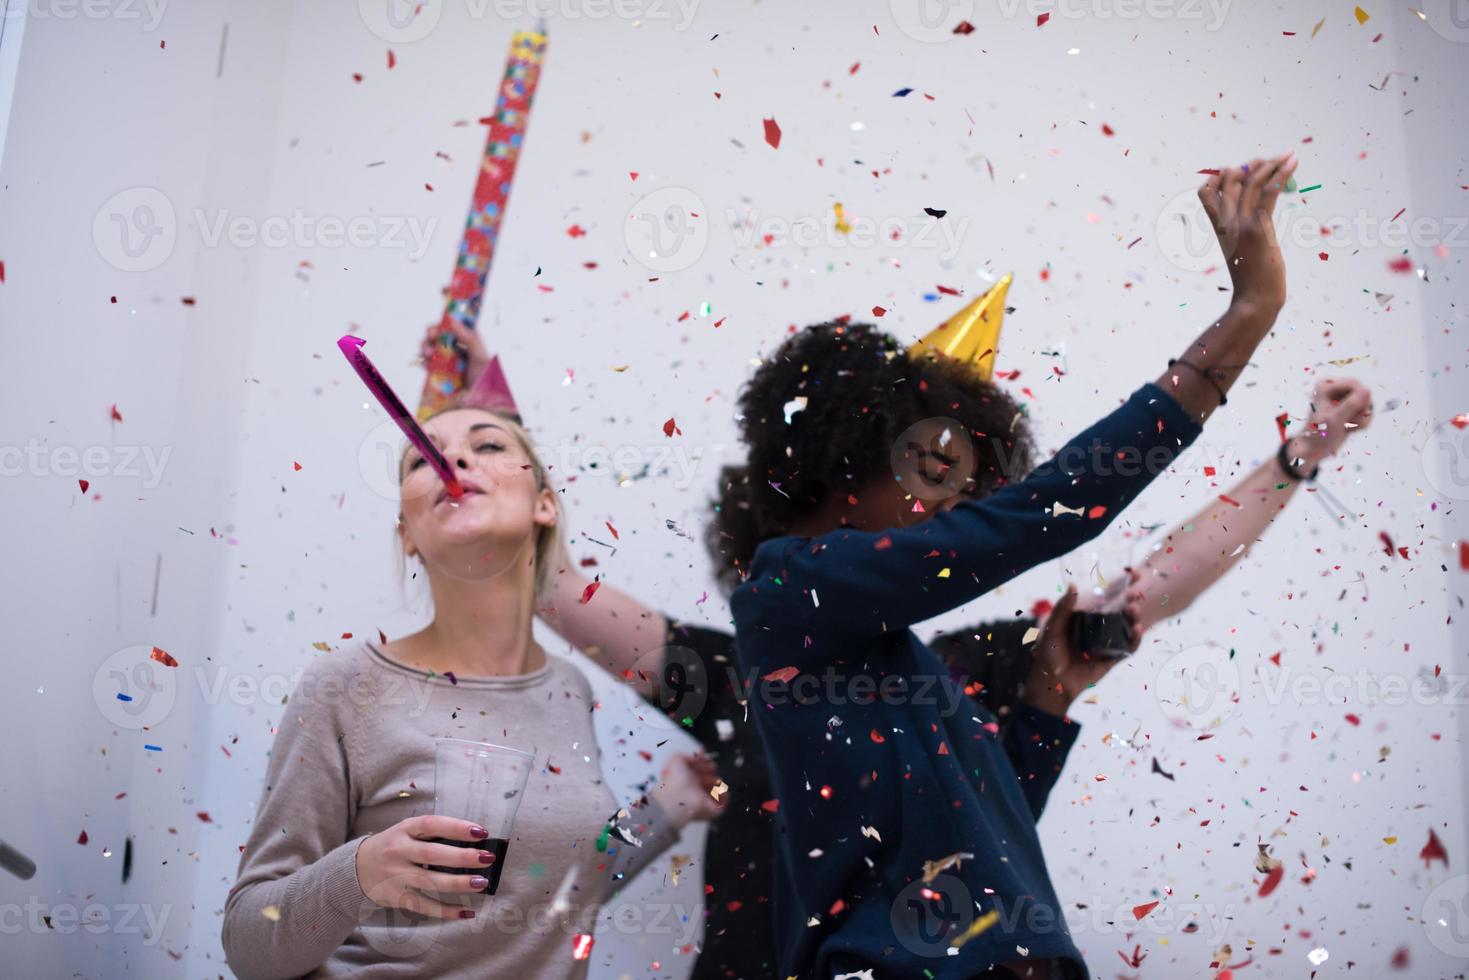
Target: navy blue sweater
x=880 y=765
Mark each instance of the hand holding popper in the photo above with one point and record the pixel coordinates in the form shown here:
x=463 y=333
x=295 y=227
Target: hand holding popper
x=352 y=347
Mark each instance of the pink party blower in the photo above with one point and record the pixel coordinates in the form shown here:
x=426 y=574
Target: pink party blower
x=351 y=347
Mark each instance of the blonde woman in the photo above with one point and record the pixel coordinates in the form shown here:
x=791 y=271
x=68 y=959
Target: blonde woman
x=347 y=869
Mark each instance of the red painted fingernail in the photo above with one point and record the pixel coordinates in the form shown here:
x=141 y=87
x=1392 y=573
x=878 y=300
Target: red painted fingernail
x=478 y=883
x=466 y=913
x=485 y=857
x=478 y=832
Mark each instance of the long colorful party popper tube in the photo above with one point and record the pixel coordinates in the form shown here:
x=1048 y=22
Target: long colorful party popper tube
x=486 y=210
x=352 y=347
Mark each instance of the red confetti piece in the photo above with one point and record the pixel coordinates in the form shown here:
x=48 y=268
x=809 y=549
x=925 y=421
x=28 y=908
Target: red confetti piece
x=163 y=657
x=1108 y=130
x=1322 y=256
x=116 y=415
x=878 y=311
x=1281 y=421
x=382 y=637
x=772 y=133
x=669 y=428
x=590 y=591
x=1387 y=545
x=853 y=69
x=1139 y=911
x=1464 y=555
x=1433 y=849
x=947 y=291
x=876 y=736
x=1209 y=471
x=1460 y=421
x=576 y=231
x=1230 y=500
x=2 y=271
x=581 y=946
x=392 y=60
x=632 y=174
x=770 y=806
x=1401 y=264
x=84 y=484
x=1096 y=512
x=1353 y=720
x=783 y=674
x=357 y=77
x=963 y=27
x=1041 y=20
x=1271 y=880
x=204 y=817
x=613 y=530
x=83 y=838
x=188 y=301
x=297 y=466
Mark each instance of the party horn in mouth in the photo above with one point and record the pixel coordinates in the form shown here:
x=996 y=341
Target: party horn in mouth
x=351 y=347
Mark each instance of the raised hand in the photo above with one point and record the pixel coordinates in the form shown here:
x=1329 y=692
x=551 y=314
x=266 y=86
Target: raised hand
x=1059 y=673
x=686 y=791
x=477 y=358
x=1339 y=407
x=1240 y=202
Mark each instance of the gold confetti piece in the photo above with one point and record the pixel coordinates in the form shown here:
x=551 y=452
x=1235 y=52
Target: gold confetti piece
x=272 y=912
x=1363 y=16
x=1389 y=840
x=932 y=869
x=1317 y=29
x=323 y=647
x=1030 y=636
x=1058 y=508
x=944 y=573
x=719 y=789
x=842 y=224
x=1344 y=361
x=979 y=926
x=619 y=368
x=680 y=861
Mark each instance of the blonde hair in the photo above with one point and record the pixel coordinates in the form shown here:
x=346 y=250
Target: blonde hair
x=548 y=537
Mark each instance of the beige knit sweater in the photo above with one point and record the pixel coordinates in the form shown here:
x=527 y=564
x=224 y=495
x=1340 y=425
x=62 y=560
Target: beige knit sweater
x=354 y=755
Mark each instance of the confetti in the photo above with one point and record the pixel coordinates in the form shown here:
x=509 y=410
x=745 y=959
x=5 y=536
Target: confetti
x=932 y=869
x=772 y=133
x=1433 y=850
x=162 y=657
x=590 y=591
x=781 y=675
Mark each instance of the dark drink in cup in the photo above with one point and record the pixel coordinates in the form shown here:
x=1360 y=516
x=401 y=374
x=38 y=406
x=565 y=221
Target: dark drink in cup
x=481 y=783
x=495 y=845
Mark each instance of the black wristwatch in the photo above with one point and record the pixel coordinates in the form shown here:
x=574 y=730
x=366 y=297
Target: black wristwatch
x=1288 y=463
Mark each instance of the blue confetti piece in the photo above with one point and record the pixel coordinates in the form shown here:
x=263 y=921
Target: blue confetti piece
x=124 y=697
x=153 y=748
x=902 y=92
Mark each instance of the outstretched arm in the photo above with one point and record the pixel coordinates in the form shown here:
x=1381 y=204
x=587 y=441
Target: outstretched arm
x=971 y=548
x=1199 y=552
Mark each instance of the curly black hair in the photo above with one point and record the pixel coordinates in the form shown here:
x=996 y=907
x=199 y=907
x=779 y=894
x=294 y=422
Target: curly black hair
x=861 y=390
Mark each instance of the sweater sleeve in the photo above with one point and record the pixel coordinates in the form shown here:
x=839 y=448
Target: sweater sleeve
x=848 y=581
x=297 y=898
x=659 y=835
x=1037 y=743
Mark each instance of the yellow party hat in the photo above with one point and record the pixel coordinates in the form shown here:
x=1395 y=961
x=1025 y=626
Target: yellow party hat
x=972 y=334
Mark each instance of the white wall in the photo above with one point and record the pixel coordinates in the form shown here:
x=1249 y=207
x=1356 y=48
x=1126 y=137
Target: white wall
x=247 y=382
